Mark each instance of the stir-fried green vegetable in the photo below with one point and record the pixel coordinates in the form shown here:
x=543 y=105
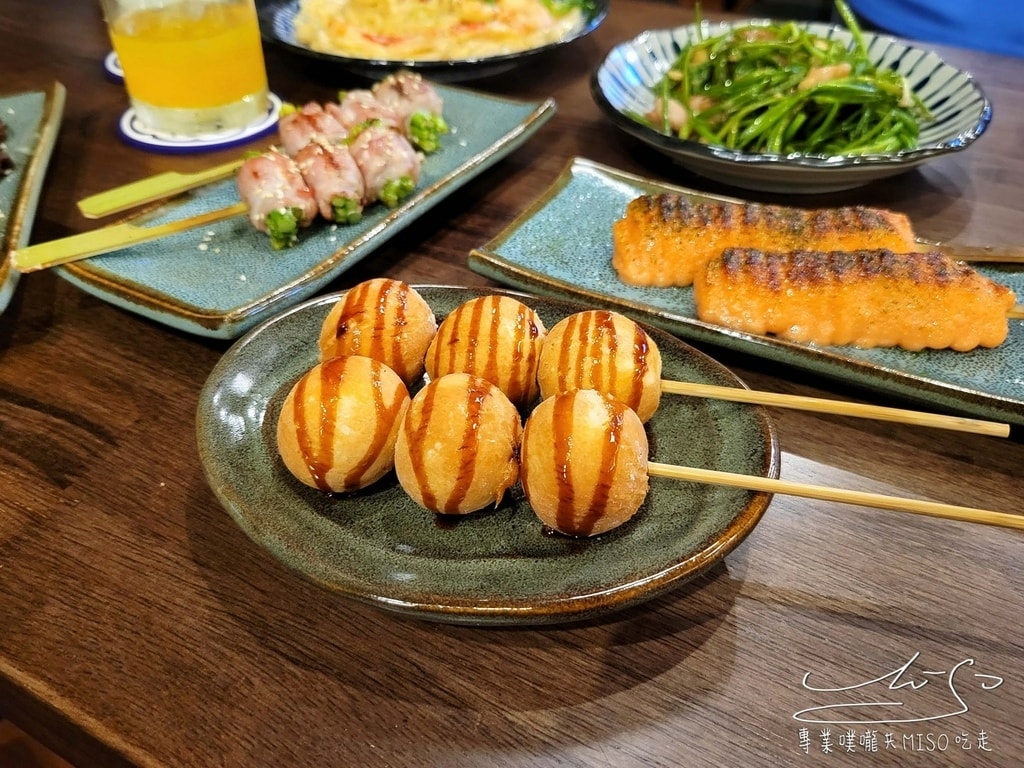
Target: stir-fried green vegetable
x=779 y=89
x=561 y=7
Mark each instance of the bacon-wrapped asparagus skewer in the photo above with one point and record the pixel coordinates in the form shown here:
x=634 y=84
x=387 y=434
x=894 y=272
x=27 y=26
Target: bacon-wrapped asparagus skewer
x=298 y=126
x=389 y=163
x=335 y=178
x=417 y=106
x=359 y=106
x=279 y=200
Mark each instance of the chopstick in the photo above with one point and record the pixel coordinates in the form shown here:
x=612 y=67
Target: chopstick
x=859 y=498
x=151 y=189
x=1006 y=254
x=106 y=239
x=838 y=407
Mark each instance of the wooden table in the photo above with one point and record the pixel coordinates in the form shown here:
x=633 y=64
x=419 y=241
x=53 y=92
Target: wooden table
x=139 y=625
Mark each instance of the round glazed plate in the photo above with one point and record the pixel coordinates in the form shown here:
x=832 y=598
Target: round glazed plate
x=496 y=566
x=277 y=23
x=622 y=87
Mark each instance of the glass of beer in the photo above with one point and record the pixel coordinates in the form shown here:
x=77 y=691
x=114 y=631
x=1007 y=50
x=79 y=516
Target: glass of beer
x=191 y=67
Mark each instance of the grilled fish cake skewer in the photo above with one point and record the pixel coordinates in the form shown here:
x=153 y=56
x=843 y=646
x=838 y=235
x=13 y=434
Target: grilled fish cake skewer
x=865 y=298
x=667 y=239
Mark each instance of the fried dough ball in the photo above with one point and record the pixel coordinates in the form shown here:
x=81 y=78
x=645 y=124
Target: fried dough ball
x=584 y=462
x=458 y=447
x=339 y=422
x=495 y=337
x=384 y=319
x=606 y=351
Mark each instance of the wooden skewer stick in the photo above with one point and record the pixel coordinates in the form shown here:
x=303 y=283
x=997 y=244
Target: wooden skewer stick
x=839 y=407
x=151 y=189
x=112 y=238
x=859 y=498
x=993 y=254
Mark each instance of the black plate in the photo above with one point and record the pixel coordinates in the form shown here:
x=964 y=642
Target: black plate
x=277 y=25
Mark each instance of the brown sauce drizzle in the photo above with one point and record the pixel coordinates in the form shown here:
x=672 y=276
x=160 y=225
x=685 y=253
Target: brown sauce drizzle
x=562 y=436
x=562 y=428
x=317 y=445
x=395 y=330
x=469 y=335
x=466 y=335
x=609 y=454
x=354 y=305
x=570 y=375
x=477 y=393
x=382 y=339
x=384 y=417
x=595 y=364
x=490 y=359
x=416 y=437
x=641 y=349
x=526 y=350
x=604 y=353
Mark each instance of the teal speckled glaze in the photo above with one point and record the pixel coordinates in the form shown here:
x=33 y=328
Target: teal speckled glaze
x=496 y=566
x=33 y=120
x=224 y=279
x=561 y=246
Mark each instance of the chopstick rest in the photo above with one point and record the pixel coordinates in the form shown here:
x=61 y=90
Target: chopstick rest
x=68 y=249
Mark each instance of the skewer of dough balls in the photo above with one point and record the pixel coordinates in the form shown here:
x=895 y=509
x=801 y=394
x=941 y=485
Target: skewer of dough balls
x=383 y=319
x=606 y=351
x=495 y=337
x=583 y=462
x=458 y=447
x=339 y=422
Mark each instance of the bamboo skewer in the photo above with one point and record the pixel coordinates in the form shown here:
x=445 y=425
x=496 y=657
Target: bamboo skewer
x=151 y=189
x=992 y=254
x=838 y=407
x=859 y=498
x=106 y=239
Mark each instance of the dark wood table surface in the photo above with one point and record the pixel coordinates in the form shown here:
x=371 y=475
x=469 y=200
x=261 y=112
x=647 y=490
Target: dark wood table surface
x=139 y=625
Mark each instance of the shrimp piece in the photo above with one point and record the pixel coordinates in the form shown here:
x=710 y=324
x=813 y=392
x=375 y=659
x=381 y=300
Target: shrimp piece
x=819 y=75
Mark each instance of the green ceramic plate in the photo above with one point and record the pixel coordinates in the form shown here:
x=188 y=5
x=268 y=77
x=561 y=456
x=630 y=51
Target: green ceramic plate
x=224 y=279
x=561 y=246
x=33 y=121
x=496 y=566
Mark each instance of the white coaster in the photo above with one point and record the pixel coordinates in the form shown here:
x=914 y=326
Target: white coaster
x=112 y=66
x=135 y=132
